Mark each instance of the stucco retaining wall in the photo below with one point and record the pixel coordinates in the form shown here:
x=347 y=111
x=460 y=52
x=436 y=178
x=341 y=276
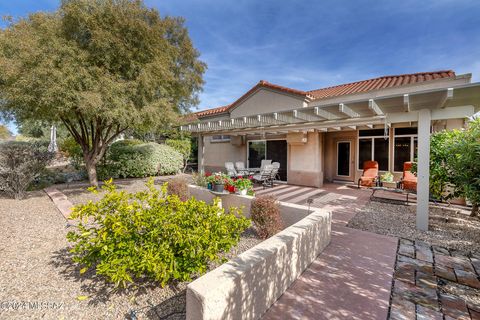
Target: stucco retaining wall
x=245 y=287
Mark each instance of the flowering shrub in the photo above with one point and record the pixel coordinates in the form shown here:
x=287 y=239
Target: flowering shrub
x=219 y=178
x=151 y=235
x=242 y=183
x=265 y=213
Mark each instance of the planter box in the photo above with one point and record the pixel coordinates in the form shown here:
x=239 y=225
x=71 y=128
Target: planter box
x=245 y=287
x=392 y=184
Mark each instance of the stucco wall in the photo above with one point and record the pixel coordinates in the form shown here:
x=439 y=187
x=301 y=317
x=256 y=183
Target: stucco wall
x=331 y=139
x=217 y=153
x=265 y=100
x=246 y=286
x=305 y=161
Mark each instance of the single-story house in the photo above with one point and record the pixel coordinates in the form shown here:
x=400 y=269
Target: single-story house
x=325 y=135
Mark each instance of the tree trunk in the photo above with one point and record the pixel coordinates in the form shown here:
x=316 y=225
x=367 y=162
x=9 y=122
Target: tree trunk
x=92 y=172
x=475 y=209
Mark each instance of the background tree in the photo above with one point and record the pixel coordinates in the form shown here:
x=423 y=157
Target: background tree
x=4 y=132
x=100 y=68
x=464 y=164
x=454 y=164
x=41 y=129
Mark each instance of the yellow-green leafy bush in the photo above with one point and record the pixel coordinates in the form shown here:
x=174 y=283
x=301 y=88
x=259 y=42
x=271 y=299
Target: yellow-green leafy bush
x=151 y=235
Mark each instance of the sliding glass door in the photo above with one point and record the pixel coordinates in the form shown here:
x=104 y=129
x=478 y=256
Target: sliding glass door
x=256 y=153
x=275 y=150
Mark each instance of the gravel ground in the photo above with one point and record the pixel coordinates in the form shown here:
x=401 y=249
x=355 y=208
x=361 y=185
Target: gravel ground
x=35 y=267
x=448 y=227
x=77 y=192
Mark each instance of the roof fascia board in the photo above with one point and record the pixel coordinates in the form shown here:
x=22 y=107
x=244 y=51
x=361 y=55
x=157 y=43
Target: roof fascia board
x=335 y=99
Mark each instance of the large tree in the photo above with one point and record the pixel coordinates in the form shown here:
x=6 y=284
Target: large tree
x=4 y=132
x=99 y=67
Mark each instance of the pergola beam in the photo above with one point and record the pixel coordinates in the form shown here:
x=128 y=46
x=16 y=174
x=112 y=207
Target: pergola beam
x=343 y=108
x=447 y=96
x=406 y=102
x=324 y=113
x=303 y=116
x=284 y=118
x=372 y=105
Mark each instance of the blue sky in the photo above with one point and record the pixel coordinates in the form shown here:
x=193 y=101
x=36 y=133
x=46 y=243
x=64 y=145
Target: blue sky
x=313 y=44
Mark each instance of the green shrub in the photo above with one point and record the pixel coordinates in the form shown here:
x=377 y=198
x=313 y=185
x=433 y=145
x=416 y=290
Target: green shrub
x=122 y=146
x=151 y=235
x=73 y=151
x=178 y=186
x=265 y=213
x=136 y=159
x=184 y=146
x=20 y=164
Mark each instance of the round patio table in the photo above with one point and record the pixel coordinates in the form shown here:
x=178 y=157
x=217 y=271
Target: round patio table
x=252 y=171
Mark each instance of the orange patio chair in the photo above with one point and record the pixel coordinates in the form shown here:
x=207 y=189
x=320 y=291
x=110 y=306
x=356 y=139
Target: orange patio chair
x=409 y=180
x=370 y=174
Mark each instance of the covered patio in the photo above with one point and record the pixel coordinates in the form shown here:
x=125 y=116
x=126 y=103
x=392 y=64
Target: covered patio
x=328 y=140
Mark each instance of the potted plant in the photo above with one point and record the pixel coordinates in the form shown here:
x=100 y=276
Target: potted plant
x=207 y=180
x=243 y=185
x=386 y=180
x=218 y=181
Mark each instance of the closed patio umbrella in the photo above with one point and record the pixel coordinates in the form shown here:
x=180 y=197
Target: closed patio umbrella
x=52 y=147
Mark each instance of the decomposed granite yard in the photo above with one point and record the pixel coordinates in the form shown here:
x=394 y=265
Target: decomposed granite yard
x=38 y=279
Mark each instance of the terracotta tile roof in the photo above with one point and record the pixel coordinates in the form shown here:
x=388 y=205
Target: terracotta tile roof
x=209 y=112
x=263 y=83
x=379 y=83
x=340 y=90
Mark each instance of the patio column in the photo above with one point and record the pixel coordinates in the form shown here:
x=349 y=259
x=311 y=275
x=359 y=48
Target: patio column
x=201 y=152
x=423 y=168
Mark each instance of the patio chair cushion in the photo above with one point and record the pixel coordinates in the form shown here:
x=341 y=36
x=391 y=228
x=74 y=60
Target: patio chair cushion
x=367 y=181
x=370 y=173
x=370 y=169
x=264 y=173
x=409 y=180
x=231 y=169
x=240 y=166
x=265 y=163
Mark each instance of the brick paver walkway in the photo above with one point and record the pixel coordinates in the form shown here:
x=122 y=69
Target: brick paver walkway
x=60 y=200
x=341 y=199
x=352 y=277
x=434 y=283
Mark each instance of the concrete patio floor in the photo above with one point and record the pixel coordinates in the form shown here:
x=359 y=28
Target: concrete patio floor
x=352 y=278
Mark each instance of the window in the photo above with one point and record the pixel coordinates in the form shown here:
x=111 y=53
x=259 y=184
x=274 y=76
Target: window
x=405 y=147
x=372 y=145
x=219 y=138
